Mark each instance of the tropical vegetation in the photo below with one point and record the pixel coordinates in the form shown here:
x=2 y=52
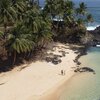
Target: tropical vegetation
x=25 y=26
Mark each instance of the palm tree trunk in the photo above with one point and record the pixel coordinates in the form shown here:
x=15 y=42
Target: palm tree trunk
x=5 y=29
x=14 y=58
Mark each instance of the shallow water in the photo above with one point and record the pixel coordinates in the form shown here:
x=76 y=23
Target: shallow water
x=85 y=86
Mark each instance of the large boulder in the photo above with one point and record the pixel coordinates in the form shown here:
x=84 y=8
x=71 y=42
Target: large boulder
x=96 y=34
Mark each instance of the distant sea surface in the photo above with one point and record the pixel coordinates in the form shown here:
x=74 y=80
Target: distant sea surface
x=93 y=8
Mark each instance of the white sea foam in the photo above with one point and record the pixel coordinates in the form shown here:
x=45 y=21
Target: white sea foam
x=92 y=27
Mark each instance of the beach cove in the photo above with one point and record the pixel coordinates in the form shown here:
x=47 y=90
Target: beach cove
x=82 y=86
x=49 y=50
x=85 y=86
x=39 y=79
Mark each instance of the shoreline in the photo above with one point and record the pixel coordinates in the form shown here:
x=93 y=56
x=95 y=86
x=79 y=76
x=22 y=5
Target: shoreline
x=40 y=80
x=54 y=92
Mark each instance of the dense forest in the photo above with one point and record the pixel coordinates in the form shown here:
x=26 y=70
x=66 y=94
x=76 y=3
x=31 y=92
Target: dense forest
x=25 y=27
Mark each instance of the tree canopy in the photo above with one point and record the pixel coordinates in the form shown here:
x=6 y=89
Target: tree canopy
x=25 y=26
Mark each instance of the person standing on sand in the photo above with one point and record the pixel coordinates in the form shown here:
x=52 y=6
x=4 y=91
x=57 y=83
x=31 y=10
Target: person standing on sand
x=62 y=72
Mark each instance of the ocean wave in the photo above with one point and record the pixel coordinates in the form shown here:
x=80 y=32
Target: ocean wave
x=89 y=28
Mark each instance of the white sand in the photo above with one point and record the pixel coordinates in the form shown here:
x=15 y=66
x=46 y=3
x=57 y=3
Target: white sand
x=38 y=79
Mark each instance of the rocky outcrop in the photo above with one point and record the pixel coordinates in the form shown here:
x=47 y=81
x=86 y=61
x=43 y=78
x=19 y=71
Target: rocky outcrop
x=84 y=69
x=96 y=35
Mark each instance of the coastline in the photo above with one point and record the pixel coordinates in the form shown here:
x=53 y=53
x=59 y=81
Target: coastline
x=55 y=92
x=40 y=80
x=35 y=64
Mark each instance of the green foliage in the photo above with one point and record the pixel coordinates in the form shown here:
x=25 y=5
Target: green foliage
x=89 y=18
x=44 y=32
x=66 y=10
x=1 y=33
x=82 y=9
x=7 y=12
x=26 y=26
x=20 y=39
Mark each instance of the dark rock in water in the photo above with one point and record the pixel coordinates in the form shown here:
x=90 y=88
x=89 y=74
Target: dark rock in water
x=96 y=35
x=78 y=63
x=77 y=70
x=74 y=60
x=87 y=69
x=84 y=69
x=76 y=52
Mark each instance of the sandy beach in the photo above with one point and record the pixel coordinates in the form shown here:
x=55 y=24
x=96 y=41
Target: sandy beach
x=40 y=79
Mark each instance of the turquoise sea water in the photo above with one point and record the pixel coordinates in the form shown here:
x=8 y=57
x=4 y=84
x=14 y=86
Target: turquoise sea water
x=85 y=86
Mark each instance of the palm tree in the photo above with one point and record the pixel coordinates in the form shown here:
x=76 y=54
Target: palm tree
x=35 y=27
x=68 y=12
x=44 y=34
x=31 y=19
x=80 y=21
x=83 y=15
x=89 y=18
x=19 y=40
x=33 y=3
x=20 y=6
x=7 y=13
x=36 y=2
x=82 y=10
x=50 y=8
